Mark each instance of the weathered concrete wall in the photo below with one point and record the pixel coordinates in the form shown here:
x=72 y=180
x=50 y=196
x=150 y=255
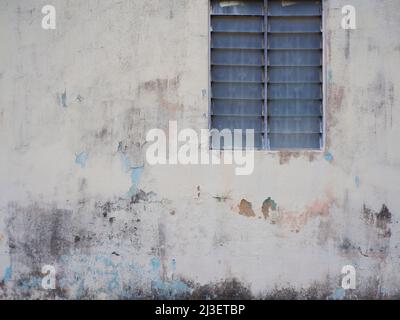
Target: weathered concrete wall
x=76 y=192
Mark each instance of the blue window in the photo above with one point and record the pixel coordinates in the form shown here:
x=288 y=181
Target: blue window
x=266 y=71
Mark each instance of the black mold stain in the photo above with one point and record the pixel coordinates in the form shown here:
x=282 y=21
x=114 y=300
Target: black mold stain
x=39 y=235
x=102 y=133
x=230 y=289
x=221 y=199
x=348 y=247
x=141 y=196
x=314 y=292
x=381 y=220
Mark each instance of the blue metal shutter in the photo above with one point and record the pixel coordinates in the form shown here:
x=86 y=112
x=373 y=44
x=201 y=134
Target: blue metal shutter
x=294 y=95
x=237 y=66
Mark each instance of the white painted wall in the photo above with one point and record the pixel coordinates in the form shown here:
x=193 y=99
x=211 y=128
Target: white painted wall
x=125 y=67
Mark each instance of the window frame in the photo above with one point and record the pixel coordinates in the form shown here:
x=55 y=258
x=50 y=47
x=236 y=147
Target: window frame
x=266 y=148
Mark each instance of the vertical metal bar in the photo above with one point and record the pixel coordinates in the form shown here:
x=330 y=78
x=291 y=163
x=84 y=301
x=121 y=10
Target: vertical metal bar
x=266 y=140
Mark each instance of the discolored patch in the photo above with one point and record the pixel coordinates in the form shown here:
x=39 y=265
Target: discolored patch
x=245 y=209
x=268 y=205
x=381 y=220
x=296 y=220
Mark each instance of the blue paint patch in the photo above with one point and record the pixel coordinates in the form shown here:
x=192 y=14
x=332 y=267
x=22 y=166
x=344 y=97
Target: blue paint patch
x=330 y=75
x=7 y=274
x=328 y=157
x=170 y=289
x=167 y=289
x=338 y=294
x=136 y=173
x=126 y=162
x=63 y=99
x=33 y=283
x=385 y=291
x=357 y=181
x=119 y=149
x=80 y=293
x=81 y=159
x=173 y=265
x=155 y=264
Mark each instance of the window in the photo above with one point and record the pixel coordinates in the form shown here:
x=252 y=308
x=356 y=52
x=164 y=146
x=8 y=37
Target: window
x=267 y=71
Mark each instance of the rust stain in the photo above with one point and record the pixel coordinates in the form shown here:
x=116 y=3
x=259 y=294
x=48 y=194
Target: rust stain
x=245 y=209
x=319 y=208
x=286 y=156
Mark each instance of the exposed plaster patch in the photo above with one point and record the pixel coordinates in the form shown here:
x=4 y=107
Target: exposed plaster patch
x=268 y=205
x=245 y=209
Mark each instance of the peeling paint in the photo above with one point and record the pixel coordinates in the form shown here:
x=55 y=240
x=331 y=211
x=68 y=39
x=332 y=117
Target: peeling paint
x=338 y=294
x=81 y=159
x=328 y=157
x=63 y=99
x=7 y=275
x=245 y=208
x=357 y=181
x=268 y=205
x=136 y=174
